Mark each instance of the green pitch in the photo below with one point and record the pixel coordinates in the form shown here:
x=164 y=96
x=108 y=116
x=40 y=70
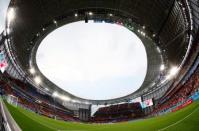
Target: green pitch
x=186 y=119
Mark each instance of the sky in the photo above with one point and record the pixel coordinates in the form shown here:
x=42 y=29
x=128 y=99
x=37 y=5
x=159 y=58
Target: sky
x=3 y=9
x=95 y=61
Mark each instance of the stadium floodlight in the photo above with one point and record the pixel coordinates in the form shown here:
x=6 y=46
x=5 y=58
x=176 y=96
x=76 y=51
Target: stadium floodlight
x=153 y=84
x=76 y=14
x=74 y=101
x=32 y=70
x=8 y=30
x=90 y=13
x=168 y=77
x=142 y=33
x=54 y=21
x=10 y=15
x=37 y=80
x=173 y=71
x=65 y=98
x=162 y=67
x=158 y=49
x=55 y=94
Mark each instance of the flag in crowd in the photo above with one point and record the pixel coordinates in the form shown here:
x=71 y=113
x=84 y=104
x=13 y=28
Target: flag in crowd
x=3 y=62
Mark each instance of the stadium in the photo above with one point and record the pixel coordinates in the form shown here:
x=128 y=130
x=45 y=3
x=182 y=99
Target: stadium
x=99 y=65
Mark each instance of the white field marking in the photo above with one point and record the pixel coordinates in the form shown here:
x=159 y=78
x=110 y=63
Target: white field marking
x=49 y=126
x=179 y=120
x=70 y=130
x=37 y=121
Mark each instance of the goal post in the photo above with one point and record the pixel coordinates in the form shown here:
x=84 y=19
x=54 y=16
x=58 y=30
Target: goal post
x=12 y=100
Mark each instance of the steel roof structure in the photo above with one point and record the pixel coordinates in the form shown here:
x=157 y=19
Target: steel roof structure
x=165 y=23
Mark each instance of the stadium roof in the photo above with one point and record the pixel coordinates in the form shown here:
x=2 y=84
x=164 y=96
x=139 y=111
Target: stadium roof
x=162 y=20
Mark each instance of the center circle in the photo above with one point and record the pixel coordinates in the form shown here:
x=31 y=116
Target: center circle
x=96 y=61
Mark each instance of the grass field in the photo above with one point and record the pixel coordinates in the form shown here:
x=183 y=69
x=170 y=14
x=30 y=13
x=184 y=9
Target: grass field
x=186 y=119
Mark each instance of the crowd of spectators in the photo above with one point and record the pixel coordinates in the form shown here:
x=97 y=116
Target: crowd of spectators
x=180 y=94
x=116 y=113
x=30 y=99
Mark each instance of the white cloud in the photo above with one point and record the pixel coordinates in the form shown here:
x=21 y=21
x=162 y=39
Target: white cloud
x=93 y=58
x=3 y=9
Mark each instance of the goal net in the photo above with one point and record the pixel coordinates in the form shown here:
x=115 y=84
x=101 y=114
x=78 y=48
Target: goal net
x=12 y=100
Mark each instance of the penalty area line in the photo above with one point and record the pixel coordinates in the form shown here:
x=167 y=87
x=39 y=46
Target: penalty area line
x=179 y=121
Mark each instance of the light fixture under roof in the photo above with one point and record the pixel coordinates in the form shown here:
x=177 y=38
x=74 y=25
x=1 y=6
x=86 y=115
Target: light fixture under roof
x=162 y=67
x=8 y=30
x=54 y=21
x=90 y=13
x=10 y=15
x=60 y=96
x=65 y=98
x=173 y=71
x=32 y=70
x=55 y=94
x=37 y=79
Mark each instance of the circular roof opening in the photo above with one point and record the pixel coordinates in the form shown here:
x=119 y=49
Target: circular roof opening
x=96 y=61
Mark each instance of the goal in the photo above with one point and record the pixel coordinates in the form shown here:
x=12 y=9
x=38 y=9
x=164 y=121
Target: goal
x=12 y=100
